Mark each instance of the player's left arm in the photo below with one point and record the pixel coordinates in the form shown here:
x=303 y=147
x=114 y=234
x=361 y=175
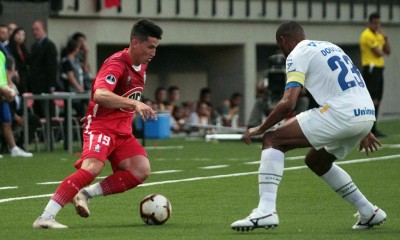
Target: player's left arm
x=369 y=143
x=281 y=110
x=108 y=99
x=286 y=105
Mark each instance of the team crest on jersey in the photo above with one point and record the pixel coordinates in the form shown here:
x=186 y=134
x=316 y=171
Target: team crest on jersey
x=111 y=79
x=135 y=94
x=97 y=148
x=289 y=63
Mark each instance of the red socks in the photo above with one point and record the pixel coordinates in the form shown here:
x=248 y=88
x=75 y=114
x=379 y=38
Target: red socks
x=119 y=182
x=71 y=186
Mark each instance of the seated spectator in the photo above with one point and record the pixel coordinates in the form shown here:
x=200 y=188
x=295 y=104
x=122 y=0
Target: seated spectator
x=160 y=98
x=201 y=115
x=173 y=98
x=230 y=111
x=206 y=96
x=178 y=119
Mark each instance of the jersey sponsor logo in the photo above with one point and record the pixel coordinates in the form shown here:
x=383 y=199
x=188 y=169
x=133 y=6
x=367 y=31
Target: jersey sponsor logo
x=110 y=79
x=362 y=112
x=135 y=94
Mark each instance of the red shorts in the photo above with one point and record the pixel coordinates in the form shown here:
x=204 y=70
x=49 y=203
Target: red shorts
x=115 y=148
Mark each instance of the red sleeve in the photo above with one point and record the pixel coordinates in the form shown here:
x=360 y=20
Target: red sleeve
x=109 y=75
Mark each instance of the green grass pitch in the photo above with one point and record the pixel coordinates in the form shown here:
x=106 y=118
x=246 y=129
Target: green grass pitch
x=210 y=185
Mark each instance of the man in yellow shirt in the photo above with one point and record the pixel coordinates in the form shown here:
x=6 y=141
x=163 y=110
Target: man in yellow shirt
x=374 y=44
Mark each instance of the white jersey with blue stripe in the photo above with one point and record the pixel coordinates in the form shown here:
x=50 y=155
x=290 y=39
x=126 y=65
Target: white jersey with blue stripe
x=332 y=79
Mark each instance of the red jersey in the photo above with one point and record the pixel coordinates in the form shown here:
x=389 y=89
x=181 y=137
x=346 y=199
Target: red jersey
x=120 y=76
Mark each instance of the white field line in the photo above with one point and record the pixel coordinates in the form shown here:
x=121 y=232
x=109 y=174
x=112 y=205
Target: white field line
x=9 y=187
x=166 y=171
x=391 y=145
x=214 y=167
x=220 y=176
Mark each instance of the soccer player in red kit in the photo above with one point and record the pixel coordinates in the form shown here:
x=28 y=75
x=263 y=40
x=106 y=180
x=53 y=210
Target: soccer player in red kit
x=107 y=133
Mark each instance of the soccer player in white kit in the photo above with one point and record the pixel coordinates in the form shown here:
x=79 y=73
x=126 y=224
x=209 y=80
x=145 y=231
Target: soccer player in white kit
x=345 y=118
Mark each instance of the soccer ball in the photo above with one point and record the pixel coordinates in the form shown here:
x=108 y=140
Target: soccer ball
x=155 y=209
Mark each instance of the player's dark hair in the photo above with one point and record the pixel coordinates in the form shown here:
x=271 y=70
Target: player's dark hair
x=373 y=16
x=290 y=29
x=145 y=28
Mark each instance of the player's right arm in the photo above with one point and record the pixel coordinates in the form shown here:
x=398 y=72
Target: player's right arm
x=285 y=106
x=108 y=99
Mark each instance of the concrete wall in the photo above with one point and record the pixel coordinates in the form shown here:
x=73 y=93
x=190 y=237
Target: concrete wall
x=221 y=47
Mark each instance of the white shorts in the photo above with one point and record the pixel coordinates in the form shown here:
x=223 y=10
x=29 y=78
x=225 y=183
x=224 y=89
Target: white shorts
x=331 y=130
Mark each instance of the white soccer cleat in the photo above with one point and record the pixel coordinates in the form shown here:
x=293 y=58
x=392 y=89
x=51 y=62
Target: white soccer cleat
x=80 y=202
x=48 y=222
x=18 y=152
x=377 y=217
x=256 y=219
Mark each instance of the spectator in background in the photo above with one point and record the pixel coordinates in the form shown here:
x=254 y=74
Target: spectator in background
x=374 y=44
x=230 y=111
x=20 y=53
x=173 y=98
x=72 y=75
x=82 y=58
x=205 y=97
x=43 y=71
x=11 y=28
x=160 y=99
x=7 y=95
x=260 y=108
x=178 y=119
x=202 y=116
x=4 y=36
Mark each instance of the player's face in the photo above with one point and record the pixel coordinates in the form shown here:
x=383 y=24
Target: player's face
x=283 y=46
x=144 y=51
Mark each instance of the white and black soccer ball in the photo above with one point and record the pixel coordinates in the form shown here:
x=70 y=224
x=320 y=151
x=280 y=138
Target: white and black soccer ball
x=155 y=209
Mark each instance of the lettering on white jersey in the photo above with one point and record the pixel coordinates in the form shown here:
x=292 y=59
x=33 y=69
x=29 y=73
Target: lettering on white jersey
x=362 y=112
x=110 y=79
x=135 y=94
